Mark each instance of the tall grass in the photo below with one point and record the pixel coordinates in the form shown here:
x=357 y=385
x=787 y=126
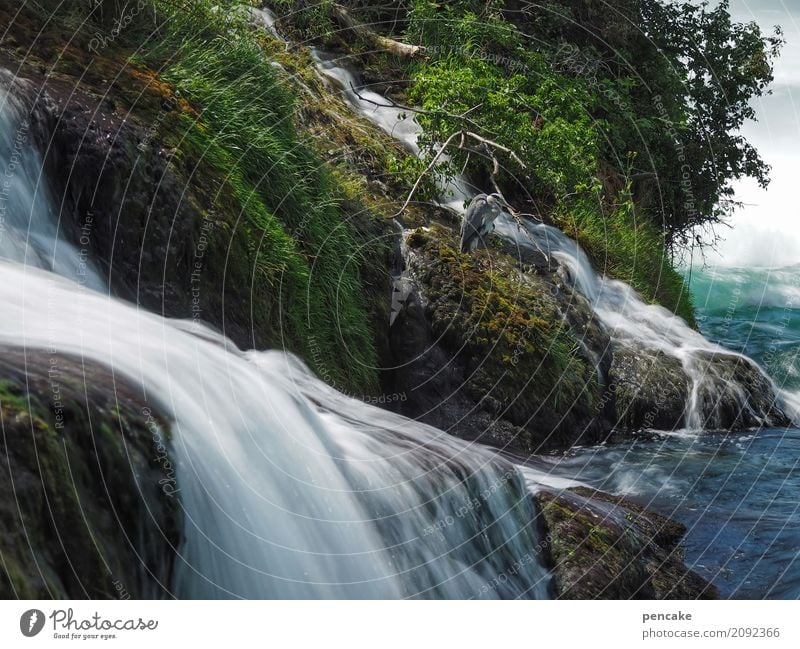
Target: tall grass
x=303 y=251
x=629 y=247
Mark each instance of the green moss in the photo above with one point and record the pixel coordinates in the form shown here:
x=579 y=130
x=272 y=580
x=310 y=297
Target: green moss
x=14 y=403
x=507 y=324
x=82 y=497
x=302 y=256
x=593 y=558
x=417 y=239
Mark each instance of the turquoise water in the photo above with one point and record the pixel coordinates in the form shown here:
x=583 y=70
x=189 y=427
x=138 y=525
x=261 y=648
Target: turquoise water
x=738 y=494
x=755 y=311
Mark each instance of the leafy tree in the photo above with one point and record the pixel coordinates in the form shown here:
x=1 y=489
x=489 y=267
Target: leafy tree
x=675 y=81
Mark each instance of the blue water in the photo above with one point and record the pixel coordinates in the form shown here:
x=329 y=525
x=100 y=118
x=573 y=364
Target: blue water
x=738 y=494
x=755 y=312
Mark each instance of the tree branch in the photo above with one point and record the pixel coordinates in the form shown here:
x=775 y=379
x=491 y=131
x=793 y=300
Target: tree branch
x=491 y=143
x=391 y=103
x=344 y=18
x=426 y=171
x=484 y=149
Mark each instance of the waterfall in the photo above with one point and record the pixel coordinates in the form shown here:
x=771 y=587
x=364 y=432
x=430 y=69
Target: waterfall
x=634 y=323
x=29 y=226
x=630 y=320
x=287 y=488
x=399 y=124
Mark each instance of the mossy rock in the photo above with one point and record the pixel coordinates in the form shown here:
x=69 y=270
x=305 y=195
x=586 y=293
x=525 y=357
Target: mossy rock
x=650 y=390
x=600 y=546
x=184 y=221
x=500 y=324
x=88 y=495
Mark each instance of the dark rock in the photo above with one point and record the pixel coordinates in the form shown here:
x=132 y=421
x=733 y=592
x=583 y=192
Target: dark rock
x=484 y=351
x=735 y=393
x=601 y=546
x=88 y=497
x=651 y=389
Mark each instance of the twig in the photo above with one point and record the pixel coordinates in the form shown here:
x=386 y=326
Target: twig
x=485 y=149
x=420 y=111
x=426 y=171
x=513 y=155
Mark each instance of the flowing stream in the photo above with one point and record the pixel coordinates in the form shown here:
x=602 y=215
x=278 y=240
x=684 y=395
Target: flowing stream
x=29 y=225
x=737 y=494
x=288 y=488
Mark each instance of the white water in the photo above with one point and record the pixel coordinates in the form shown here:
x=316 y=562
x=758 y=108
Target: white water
x=288 y=488
x=266 y=19
x=398 y=123
x=630 y=320
x=29 y=227
x=636 y=324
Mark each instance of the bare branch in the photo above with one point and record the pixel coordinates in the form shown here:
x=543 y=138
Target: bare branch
x=391 y=103
x=344 y=18
x=486 y=143
x=426 y=171
x=491 y=143
x=485 y=149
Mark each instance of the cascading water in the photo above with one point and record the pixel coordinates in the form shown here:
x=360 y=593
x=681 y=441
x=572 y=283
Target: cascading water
x=633 y=322
x=735 y=493
x=390 y=119
x=630 y=321
x=29 y=228
x=288 y=488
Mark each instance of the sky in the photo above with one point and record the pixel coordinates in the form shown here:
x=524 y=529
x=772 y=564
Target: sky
x=766 y=231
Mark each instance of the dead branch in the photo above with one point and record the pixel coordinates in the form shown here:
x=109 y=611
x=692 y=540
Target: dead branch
x=484 y=148
x=426 y=171
x=495 y=145
x=344 y=18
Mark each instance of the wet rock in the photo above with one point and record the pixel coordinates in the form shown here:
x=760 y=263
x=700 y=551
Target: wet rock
x=126 y=204
x=601 y=546
x=88 y=495
x=485 y=351
x=651 y=389
x=735 y=393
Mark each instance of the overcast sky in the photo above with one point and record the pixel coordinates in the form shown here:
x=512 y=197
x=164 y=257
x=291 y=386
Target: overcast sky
x=767 y=230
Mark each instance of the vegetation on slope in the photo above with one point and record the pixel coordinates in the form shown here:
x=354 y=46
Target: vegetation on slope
x=595 y=149
x=234 y=140
x=624 y=116
x=301 y=242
